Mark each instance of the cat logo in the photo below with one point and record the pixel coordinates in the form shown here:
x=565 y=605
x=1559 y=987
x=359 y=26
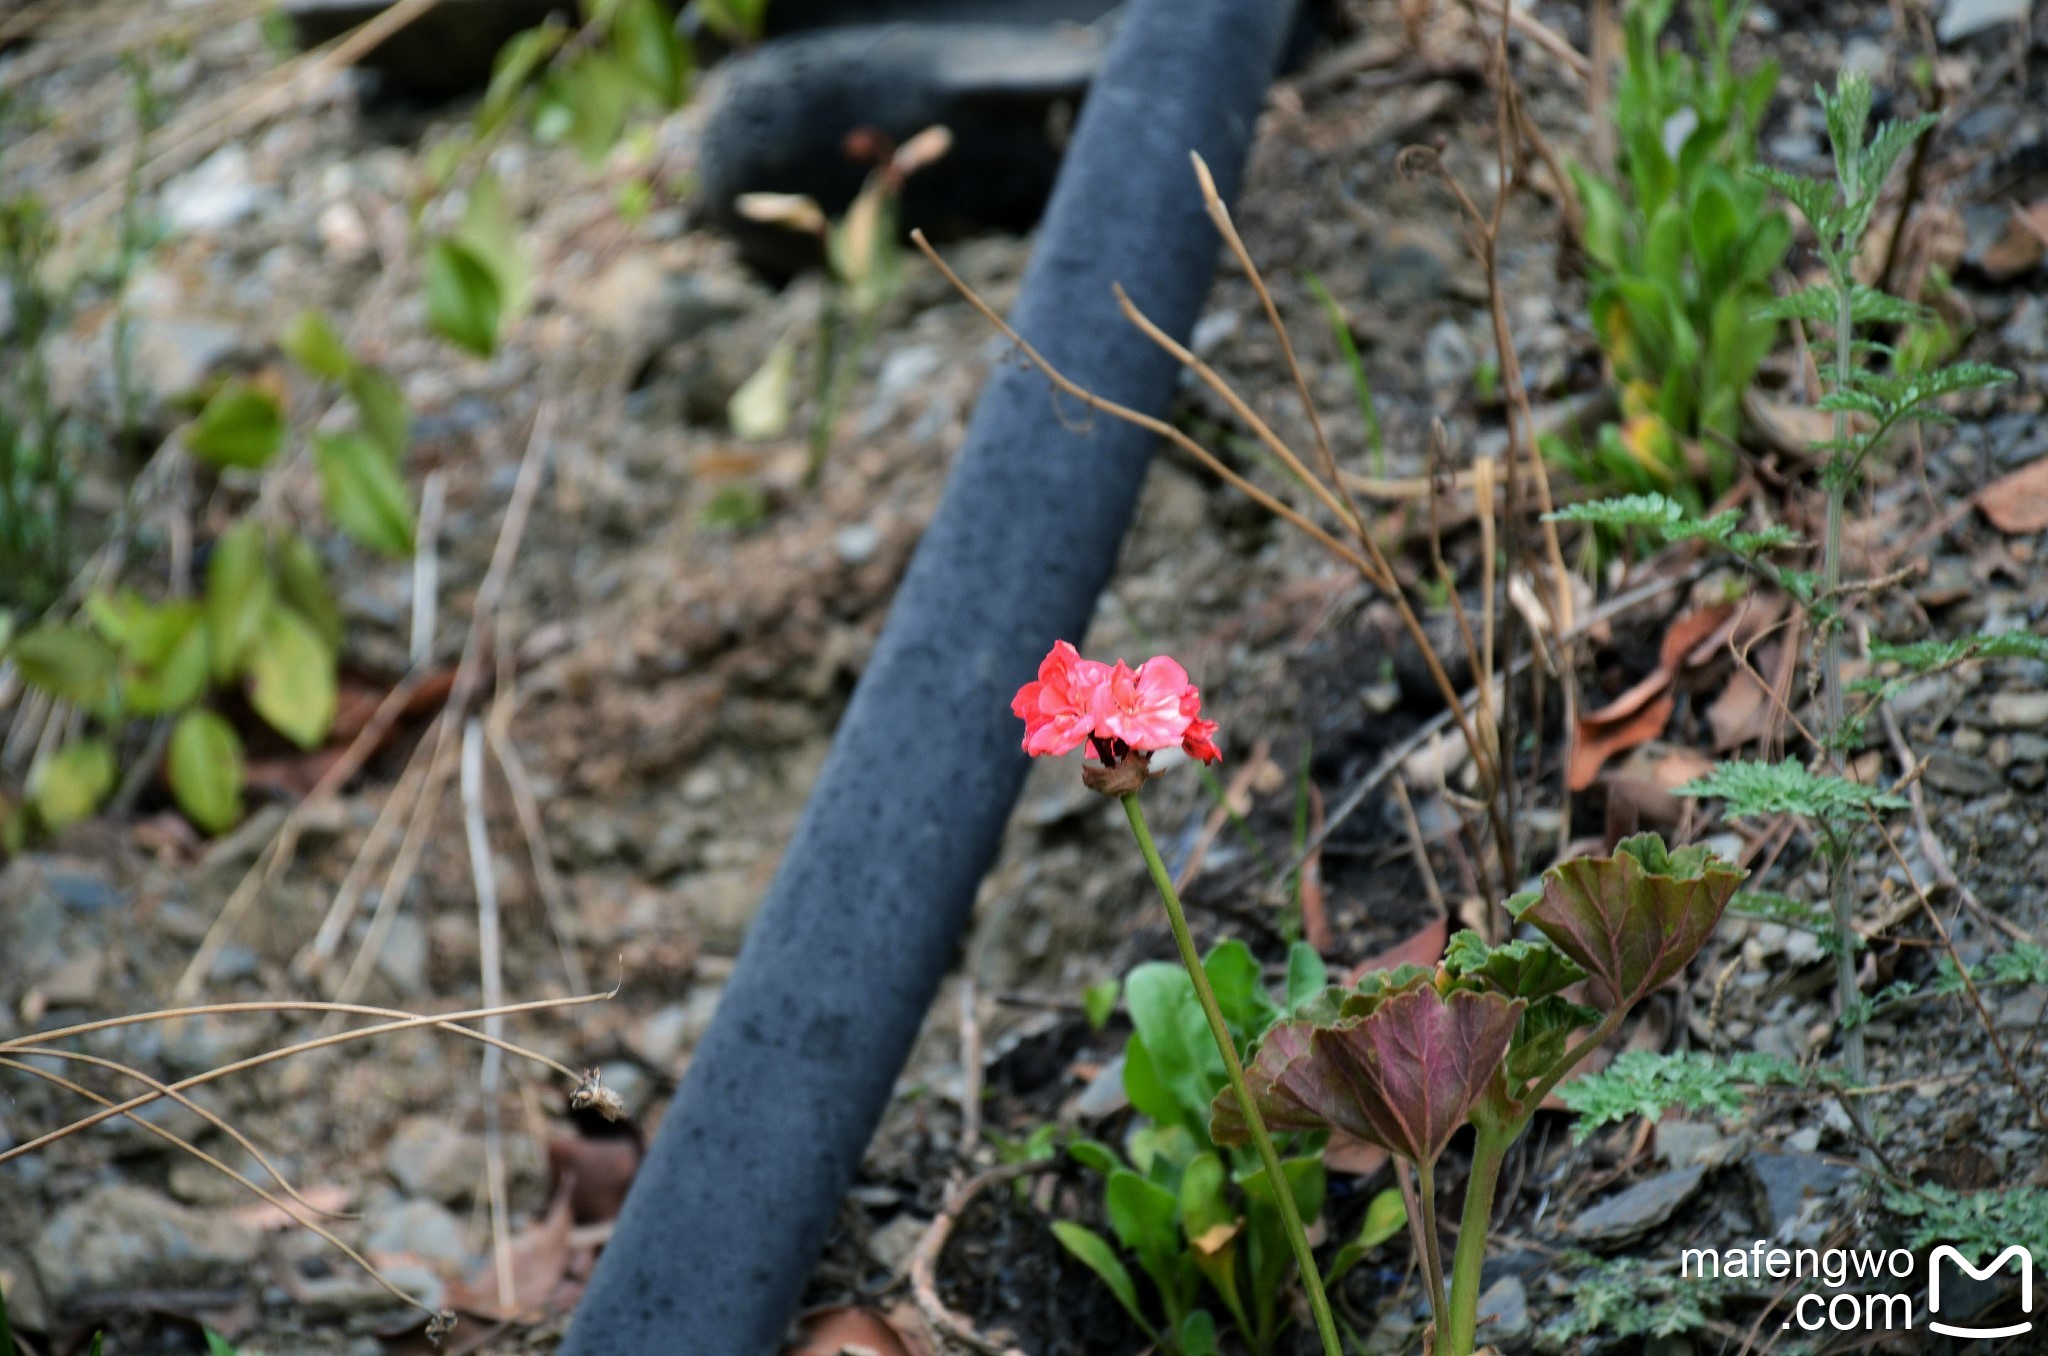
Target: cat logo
x=2026 y=1263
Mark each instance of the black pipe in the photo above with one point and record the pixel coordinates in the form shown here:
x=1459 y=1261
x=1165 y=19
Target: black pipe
x=741 y=1186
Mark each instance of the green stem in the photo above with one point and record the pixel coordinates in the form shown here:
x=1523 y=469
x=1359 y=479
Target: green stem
x=1432 y=1237
x=1458 y=1324
x=1831 y=666
x=1283 y=1192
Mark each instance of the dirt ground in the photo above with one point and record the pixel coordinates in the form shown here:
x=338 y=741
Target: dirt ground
x=670 y=683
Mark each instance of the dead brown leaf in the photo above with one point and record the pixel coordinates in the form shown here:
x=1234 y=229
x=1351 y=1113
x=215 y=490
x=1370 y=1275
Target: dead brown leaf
x=540 y=1262
x=2020 y=250
x=1353 y=1157
x=1423 y=948
x=845 y=1330
x=1641 y=713
x=1595 y=744
x=2017 y=503
x=595 y=1170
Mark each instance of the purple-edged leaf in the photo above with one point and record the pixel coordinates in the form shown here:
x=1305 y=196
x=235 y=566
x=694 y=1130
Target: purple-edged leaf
x=1404 y=1078
x=1280 y=1047
x=1635 y=919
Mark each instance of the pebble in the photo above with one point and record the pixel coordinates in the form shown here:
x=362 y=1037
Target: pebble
x=1639 y=1209
x=1789 y=1180
x=1964 y=18
x=1689 y=1144
x=431 y=1158
x=660 y=1040
x=422 y=1229
x=218 y=192
x=118 y=1238
x=1961 y=774
x=893 y=1243
x=1504 y=1319
x=1447 y=360
x=2019 y=710
x=403 y=961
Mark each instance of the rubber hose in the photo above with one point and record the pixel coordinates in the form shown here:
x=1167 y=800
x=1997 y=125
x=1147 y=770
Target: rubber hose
x=733 y=1203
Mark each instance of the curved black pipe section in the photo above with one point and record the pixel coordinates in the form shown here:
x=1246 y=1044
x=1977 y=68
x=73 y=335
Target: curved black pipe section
x=739 y=1189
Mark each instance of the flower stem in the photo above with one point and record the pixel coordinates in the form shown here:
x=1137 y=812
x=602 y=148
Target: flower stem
x=1458 y=1323
x=1283 y=1191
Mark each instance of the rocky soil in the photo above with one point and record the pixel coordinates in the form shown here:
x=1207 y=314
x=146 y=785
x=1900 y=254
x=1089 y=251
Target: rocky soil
x=670 y=679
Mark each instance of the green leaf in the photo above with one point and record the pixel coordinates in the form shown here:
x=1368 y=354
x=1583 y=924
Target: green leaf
x=292 y=682
x=1090 y=1153
x=68 y=662
x=205 y=769
x=648 y=45
x=1198 y=1334
x=489 y=232
x=1753 y=790
x=1307 y=976
x=381 y=406
x=515 y=65
x=1177 y=1046
x=159 y=685
x=1144 y=1217
x=70 y=784
x=1656 y=512
x=216 y=1345
x=1240 y=992
x=464 y=301
x=302 y=584
x=365 y=495
x=1524 y=969
x=1644 y=1083
x=313 y=345
x=1099 y=1001
x=237 y=595
x=1092 y=1250
x=242 y=425
x=1385 y=1217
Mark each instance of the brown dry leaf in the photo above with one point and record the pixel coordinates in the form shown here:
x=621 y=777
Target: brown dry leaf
x=1315 y=913
x=844 y=1330
x=1743 y=711
x=1353 y=1157
x=266 y=1218
x=1595 y=744
x=540 y=1261
x=1214 y=1238
x=596 y=1171
x=1424 y=948
x=2021 y=248
x=2017 y=503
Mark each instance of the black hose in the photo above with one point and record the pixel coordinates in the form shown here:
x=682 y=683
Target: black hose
x=743 y=1182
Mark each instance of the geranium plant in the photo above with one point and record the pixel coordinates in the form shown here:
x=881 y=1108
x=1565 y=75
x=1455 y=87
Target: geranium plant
x=1406 y=1057
x=1409 y=1056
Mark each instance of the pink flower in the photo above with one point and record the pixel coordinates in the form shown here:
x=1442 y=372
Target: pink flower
x=1116 y=712
x=1057 y=709
x=1142 y=706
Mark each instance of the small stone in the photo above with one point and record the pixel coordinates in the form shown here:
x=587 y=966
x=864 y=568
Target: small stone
x=2019 y=710
x=1961 y=774
x=1688 y=1144
x=661 y=1040
x=218 y=192
x=1639 y=1209
x=77 y=982
x=1447 y=361
x=893 y=1244
x=1504 y=1319
x=413 y=1228
x=1789 y=1181
x=857 y=543
x=403 y=961
x=431 y=1158
x=121 y=1238
x=1104 y=1095
x=1964 y=18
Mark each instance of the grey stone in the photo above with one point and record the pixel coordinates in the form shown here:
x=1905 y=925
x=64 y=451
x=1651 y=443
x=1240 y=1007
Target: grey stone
x=780 y=120
x=1789 y=1180
x=127 y=1238
x=1964 y=18
x=421 y=1229
x=1447 y=361
x=1639 y=1209
x=1504 y=1319
x=403 y=961
x=431 y=1158
x=893 y=1243
x=660 y=1040
x=1688 y=1144
x=2019 y=710
x=217 y=192
x=1104 y=1095
x=1962 y=774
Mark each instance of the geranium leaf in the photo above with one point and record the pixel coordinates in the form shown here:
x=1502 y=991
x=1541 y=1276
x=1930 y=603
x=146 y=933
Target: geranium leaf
x=1635 y=919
